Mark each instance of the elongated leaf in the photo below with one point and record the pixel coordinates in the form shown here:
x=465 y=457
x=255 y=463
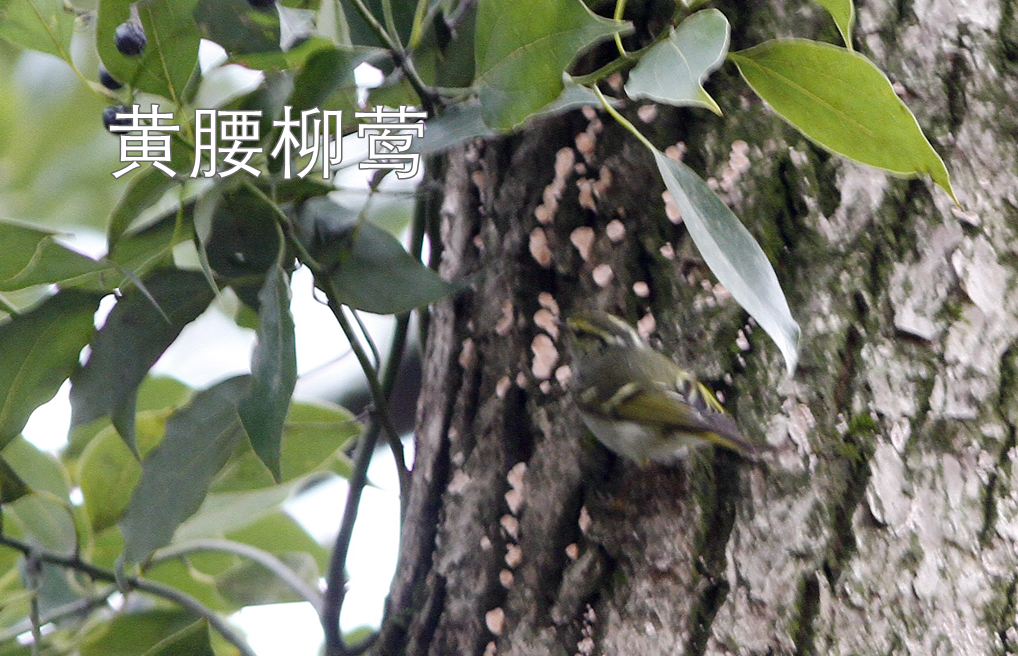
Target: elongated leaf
x=191 y=641
x=732 y=255
x=273 y=371
x=170 y=56
x=130 y=634
x=33 y=257
x=39 y=351
x=40 y=471
x=522 y=48
x=237 y=26
x=108 y=470
x=11 y=486
x=843 y=13
x=44 y=522
x=673 y=71
x=38 y=24
x=145 y=190
x=313 y=439
x=369 y=267
x=231 y=511
x=843 y=102
x=176 y=475
x=134 y=336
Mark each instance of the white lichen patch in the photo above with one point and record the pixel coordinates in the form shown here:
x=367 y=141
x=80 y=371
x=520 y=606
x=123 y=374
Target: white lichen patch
x=502 y=387
x=513 y=556
x=505 y=322
x=671 y=209
x=668 y=252
x=546 y=321
x=510 y=525
x=572 y=551
x=586 y=194
x=646 y=325
x=647 y=113
x=584 y=520
x=506 y=578
x=468 y=353
x=514 y=500
x=641 y=289
x=515 y=475
x=546 y=300
x=563 y=375
x=616 y=230
x=603 y=275
x=676 y=152
x=539 y=248
x=545 y=356
x=582 y=238
x=494 y=619
x=585 y=142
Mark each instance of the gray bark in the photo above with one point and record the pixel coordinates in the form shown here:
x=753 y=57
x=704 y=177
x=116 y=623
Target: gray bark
x=887 y=519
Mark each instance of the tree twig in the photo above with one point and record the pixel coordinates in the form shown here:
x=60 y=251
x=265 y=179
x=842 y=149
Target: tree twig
x=182 y=599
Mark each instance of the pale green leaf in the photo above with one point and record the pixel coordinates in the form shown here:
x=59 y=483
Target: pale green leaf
x=732 y=254
x=273 y=371
x=522 y=48
x=43 y=25
x=840 y=100
x=843 y=13
x=673 y=71
x=198 y=441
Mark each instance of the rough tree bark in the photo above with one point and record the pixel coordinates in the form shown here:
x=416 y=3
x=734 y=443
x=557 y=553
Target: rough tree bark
x=887 y=520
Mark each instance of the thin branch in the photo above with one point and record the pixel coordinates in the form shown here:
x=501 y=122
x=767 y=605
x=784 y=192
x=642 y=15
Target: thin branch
x=260 y=556
x=137 y=583
x=71 y=609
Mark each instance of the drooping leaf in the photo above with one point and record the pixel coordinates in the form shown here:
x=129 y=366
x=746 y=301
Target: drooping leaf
x=459 y=123
x=33 y=257
x=130 y=634
x=39 y=351
x=237 y=26
x=840 y=100
x=42 y=25
x=313 y=439
x=144 y=190
x=225 y=512
x=198 y=441
x=732 y=254
x=135 y=334
x=522 y=48
x=369 y=268
x=237 y=230
x=325 y=72
x=170 y=56
x=40 y=471
x=273 y=371
x=140 y=251
x=673 y=71
x=11 y=486
x=193 y=640
x=843 y=13
x=250 y=584
x=43 y=521
x=108 y=471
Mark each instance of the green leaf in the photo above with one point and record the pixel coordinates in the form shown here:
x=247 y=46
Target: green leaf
x=277 y=533
x=137 y=331
x=732 y=255
x=459 y=123
x=369 y=268
x=313 y=439
x=273 y=371
x=522 y=48
x=108 y=471
x=843 y=13
x=226 y=512
x=840 y=100
x=237 y=229
x=33 y=257
x=326 y=71
x=11 y=486
x=198 y=441
x=40 y=471
x=191 y=641
x=144 y=191
x=171 y=55
x=40 y=349
x=151 y=246
x=42 y=25
x=673 y=70
x=130 y=634
x=237 y=26
x=361 y=34
x=44 y=522
x=250 y=584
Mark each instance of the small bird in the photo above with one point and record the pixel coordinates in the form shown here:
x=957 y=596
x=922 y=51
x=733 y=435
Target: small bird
x=638 y=402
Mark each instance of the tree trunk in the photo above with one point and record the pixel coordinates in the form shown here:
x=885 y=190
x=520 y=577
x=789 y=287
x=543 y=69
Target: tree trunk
x=886 y=520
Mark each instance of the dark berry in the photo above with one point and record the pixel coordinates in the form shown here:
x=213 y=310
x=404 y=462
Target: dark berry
x=262 y=4
x=110 y=116
x=129 y=38
x=108 y=80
